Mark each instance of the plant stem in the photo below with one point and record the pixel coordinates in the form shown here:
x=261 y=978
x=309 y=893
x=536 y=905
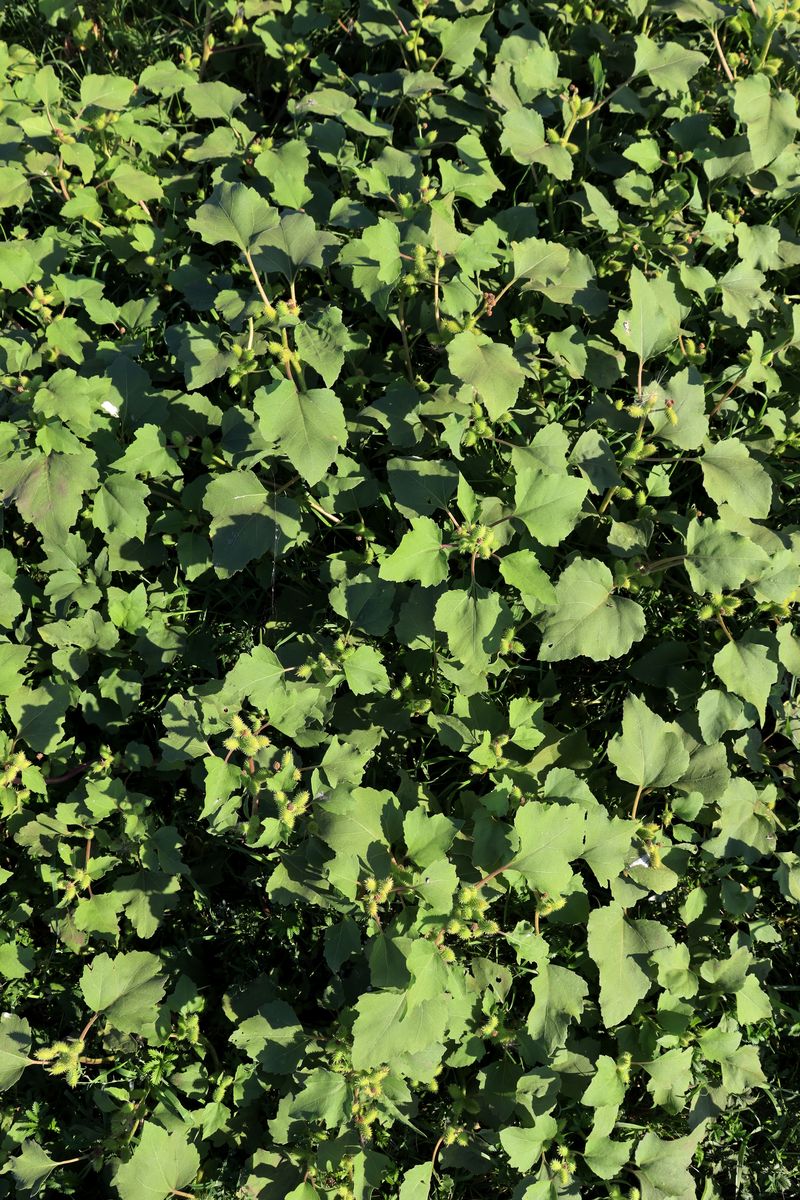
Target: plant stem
x=493 y=874
x=482 y=311
x=636 y=800
x=248 y=258
x=205 y=54
x=437 y=316
x=401 y=317
x=727 y=631
x=551 y=214
x=87 y=858
x=609 y=496
x=762 y=58
x=71 y=773
x=602 y=103
x=658 y=563
x=312 y=503
x=287 y=366
x=721 y=53
x=720 y=403
x=87 y=1027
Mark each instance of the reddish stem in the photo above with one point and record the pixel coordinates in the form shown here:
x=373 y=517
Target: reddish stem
x=87 y=1027
x=494 y=874
x=71 y=773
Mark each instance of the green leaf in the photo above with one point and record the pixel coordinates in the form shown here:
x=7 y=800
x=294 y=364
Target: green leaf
x=745 y=828
x=365 y=601
x=67 y=338
x=649 y=752
x=489 y=368
x=523 y=137
x=759 y=246
x=599 y=204
x=550 y=838
x=731 y=476
x=308 y=427
x=15 y=191
x=32 y=1167
x=199 y=354
x=286 y=168
x=12 y=659
x=161 y=1164
x=607 y=844
x=48 y=490
x=321 y=342
x=604 y=1156
x=119 y=507
x=273 y=1037
x=588 y=619
x=717 y=559
x=670 y=1078
x=126 y=989
x=247 y=521
x=419 y=487
x=769 y=117
x=664 y=1166
x=15 y=1048
x=594 y=458
x=292 y=244
x=365 y=672
x=540 y=264
x=419 y=556
x=606 y=1087
x=474 y=625
x=386 y=1030
x=559 y=997
x=788 y=648
x=216 y=101
x=416 y=1182
x=749 y=669
x=653 y=321
x=669 y=66
x=621 y=949
x=742 y=294
x=110 y=92
x=521 y=569
x=548 y=504
x=427 y=837
x=524 y=1147
x=38 y=714
x=374 y=261
x=234 y=213
x=461 y=38
x=471 y=175
x=135 y=184
x=685 y=396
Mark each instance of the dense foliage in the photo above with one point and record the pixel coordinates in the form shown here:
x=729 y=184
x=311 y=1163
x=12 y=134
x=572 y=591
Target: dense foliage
x=399 y=447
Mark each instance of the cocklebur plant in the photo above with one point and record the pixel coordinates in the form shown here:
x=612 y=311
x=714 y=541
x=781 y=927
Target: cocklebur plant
x=398 y=580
